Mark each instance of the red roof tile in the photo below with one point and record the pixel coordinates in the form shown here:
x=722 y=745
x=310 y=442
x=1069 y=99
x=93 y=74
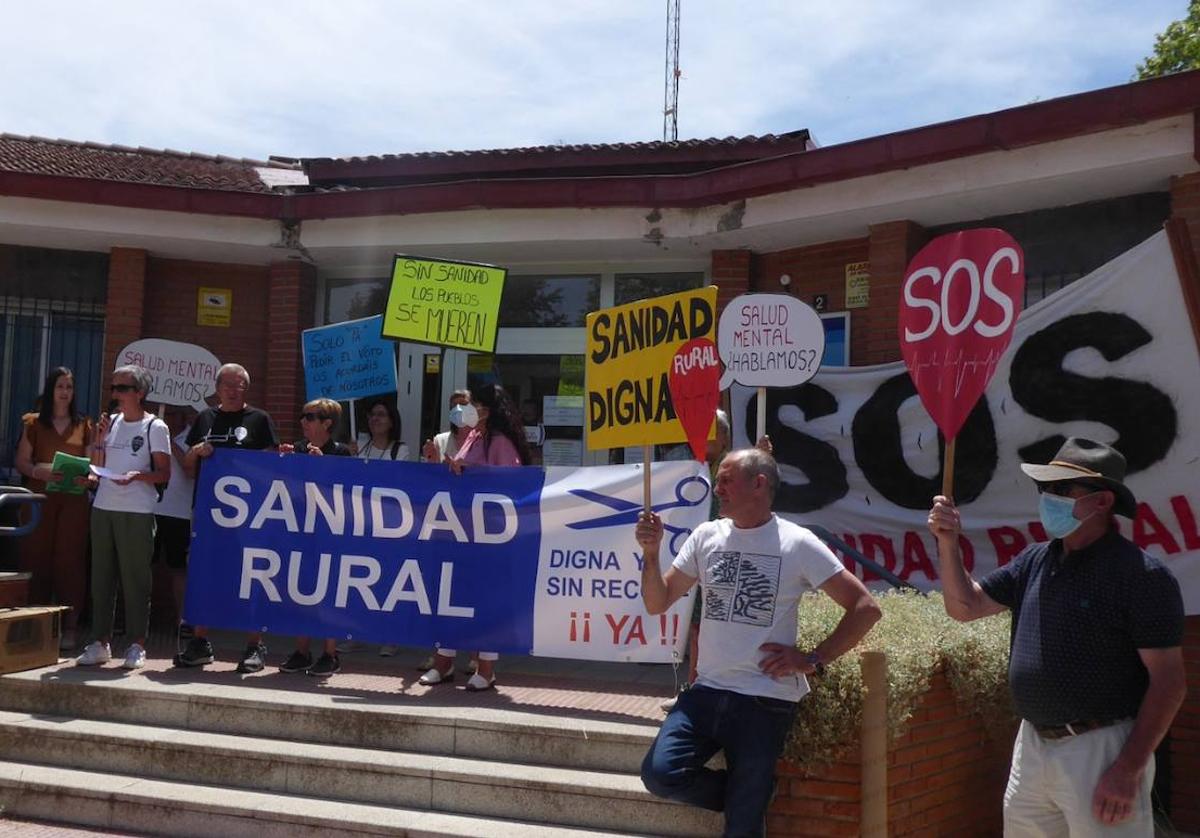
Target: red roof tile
x=63 y=158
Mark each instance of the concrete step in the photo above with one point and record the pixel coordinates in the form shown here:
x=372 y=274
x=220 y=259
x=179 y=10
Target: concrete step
x=200 y=702
x=161 y=807
x=493 y=789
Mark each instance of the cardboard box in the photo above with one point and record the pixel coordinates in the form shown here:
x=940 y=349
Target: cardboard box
x=29 y=637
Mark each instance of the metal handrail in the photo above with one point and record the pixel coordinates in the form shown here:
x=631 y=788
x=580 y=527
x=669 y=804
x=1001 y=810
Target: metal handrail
x=836 y=543
x=16 y=496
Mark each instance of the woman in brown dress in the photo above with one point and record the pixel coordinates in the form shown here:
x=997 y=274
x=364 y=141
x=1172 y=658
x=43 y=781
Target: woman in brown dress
x=56 y=552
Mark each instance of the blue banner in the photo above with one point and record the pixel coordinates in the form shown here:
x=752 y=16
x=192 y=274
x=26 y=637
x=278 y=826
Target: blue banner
x=382 y=551
x=348 y=360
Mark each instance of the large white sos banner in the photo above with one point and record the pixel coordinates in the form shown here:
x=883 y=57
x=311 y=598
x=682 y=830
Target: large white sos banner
x=1111 y=357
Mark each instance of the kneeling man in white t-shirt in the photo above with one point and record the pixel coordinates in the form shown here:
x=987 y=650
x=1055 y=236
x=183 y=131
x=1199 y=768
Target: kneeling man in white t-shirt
x=752 y=567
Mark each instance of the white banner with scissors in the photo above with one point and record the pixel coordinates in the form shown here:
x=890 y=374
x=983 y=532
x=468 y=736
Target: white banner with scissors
x=588 y=603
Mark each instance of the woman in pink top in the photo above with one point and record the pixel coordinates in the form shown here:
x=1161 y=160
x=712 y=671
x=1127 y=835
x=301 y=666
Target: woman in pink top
x=498 y=439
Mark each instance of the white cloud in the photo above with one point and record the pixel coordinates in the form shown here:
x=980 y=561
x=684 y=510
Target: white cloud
x=371 y=77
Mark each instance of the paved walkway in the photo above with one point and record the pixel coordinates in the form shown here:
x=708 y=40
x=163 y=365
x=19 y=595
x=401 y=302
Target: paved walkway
x=620 y=692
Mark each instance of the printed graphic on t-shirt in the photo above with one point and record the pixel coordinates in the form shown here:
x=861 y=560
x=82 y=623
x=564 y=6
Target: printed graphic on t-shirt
x=741 y=588
x=233 y=436
x=136 y=443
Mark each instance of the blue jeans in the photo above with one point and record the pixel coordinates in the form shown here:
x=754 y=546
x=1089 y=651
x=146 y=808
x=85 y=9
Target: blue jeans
x=750 y=730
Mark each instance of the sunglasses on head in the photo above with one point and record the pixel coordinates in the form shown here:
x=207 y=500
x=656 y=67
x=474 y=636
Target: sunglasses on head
x=1063 y=488
x=313 y=417
x=123 y=388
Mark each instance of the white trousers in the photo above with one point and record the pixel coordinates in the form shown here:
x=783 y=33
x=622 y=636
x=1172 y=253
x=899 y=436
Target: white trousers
x=1051 y=782
x=483 y=656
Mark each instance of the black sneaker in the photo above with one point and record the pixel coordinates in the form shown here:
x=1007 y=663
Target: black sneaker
x=253 y=659
x=198 y=652
x=298 y=662
x=325 y=666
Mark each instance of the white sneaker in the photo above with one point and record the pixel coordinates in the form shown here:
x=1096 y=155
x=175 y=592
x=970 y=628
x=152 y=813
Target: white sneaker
x=135 y=657
x=388 y=650
x=347 y=647
x=95 y=653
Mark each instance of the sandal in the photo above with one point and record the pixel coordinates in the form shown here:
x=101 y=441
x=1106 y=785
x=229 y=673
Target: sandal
x=434 y=676
x=477 y=683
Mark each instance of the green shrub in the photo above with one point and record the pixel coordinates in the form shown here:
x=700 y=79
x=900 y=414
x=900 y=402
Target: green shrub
x=917 y=637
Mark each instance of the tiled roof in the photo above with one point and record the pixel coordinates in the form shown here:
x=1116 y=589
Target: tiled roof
x=550 y=161
x=64 y=158
x=723 y=143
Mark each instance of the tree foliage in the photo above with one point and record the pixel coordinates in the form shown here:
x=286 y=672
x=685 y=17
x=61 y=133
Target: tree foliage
x=1177 y=48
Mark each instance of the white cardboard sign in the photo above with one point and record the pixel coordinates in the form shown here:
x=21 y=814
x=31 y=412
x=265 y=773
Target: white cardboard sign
x=769 y=340
x=184 y=374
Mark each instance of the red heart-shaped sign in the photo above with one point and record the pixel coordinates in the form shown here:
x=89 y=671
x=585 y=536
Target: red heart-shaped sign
x=959 y=301
x=693 y=378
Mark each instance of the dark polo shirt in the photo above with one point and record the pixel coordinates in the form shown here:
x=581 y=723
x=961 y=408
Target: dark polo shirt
x=1077 y=623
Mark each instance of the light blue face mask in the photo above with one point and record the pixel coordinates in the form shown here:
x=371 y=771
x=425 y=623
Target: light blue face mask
x=464 y=416
x=1058 y=515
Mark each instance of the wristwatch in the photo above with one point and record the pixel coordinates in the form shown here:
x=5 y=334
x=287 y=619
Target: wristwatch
x=818 y=665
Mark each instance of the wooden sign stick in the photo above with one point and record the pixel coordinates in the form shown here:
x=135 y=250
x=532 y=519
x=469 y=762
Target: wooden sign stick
x=646 y=453
x=948 y=470
x=762 y=416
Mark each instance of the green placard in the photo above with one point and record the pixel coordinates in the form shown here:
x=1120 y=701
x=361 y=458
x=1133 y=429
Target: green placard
x=444 y=303
x=69 y=467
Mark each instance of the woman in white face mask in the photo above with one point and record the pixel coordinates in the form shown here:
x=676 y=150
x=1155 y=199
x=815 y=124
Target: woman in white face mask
x=463 y=417
x=498 y=439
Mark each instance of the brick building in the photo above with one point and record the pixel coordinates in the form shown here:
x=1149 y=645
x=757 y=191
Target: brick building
x=102 y=245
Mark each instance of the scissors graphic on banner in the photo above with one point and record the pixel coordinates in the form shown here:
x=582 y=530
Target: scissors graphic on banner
x=631 y=509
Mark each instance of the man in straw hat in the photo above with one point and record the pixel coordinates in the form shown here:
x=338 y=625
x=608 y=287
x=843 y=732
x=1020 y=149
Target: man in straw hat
x=1096 y=670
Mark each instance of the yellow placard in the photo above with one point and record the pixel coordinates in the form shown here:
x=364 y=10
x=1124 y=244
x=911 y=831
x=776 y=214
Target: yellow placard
x=214 y=306
x=629 y=352
x=570 y=375
x=858 y=284
x=444 y=303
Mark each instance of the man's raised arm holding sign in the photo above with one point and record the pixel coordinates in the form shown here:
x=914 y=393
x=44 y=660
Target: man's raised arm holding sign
x=753 y=568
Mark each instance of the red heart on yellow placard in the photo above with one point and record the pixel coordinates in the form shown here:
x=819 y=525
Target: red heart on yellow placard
x=693 y=380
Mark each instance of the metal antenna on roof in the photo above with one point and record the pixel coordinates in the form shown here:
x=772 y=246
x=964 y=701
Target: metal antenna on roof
x=671 y=82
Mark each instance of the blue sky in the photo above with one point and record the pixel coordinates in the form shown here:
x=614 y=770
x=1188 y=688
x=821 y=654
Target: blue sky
x=359 y=77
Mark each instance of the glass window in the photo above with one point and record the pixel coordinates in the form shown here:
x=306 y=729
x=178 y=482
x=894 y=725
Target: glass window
x=631 y=287
x=537 y=384
x=1062 y=244
x=548 y=300
x=350 y=299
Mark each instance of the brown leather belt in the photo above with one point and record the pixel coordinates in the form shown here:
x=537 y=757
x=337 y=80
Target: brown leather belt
x=1072 y=729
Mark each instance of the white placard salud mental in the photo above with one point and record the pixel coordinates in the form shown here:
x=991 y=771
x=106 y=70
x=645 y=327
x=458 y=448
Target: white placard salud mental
x=769 y=340
x=182 y=374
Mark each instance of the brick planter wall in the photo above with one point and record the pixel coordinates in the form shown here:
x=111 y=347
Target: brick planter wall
x=946 y=776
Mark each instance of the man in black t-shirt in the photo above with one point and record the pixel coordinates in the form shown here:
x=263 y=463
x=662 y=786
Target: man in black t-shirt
x=1096 y=666
x=231 y=424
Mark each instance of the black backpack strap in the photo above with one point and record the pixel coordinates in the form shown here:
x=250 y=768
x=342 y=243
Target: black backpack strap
x=395 y=449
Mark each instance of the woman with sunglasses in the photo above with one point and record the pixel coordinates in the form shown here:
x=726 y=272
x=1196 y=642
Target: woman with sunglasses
x=497 y=439
x=56 y=552
x=317 y=421
x=134 y=449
